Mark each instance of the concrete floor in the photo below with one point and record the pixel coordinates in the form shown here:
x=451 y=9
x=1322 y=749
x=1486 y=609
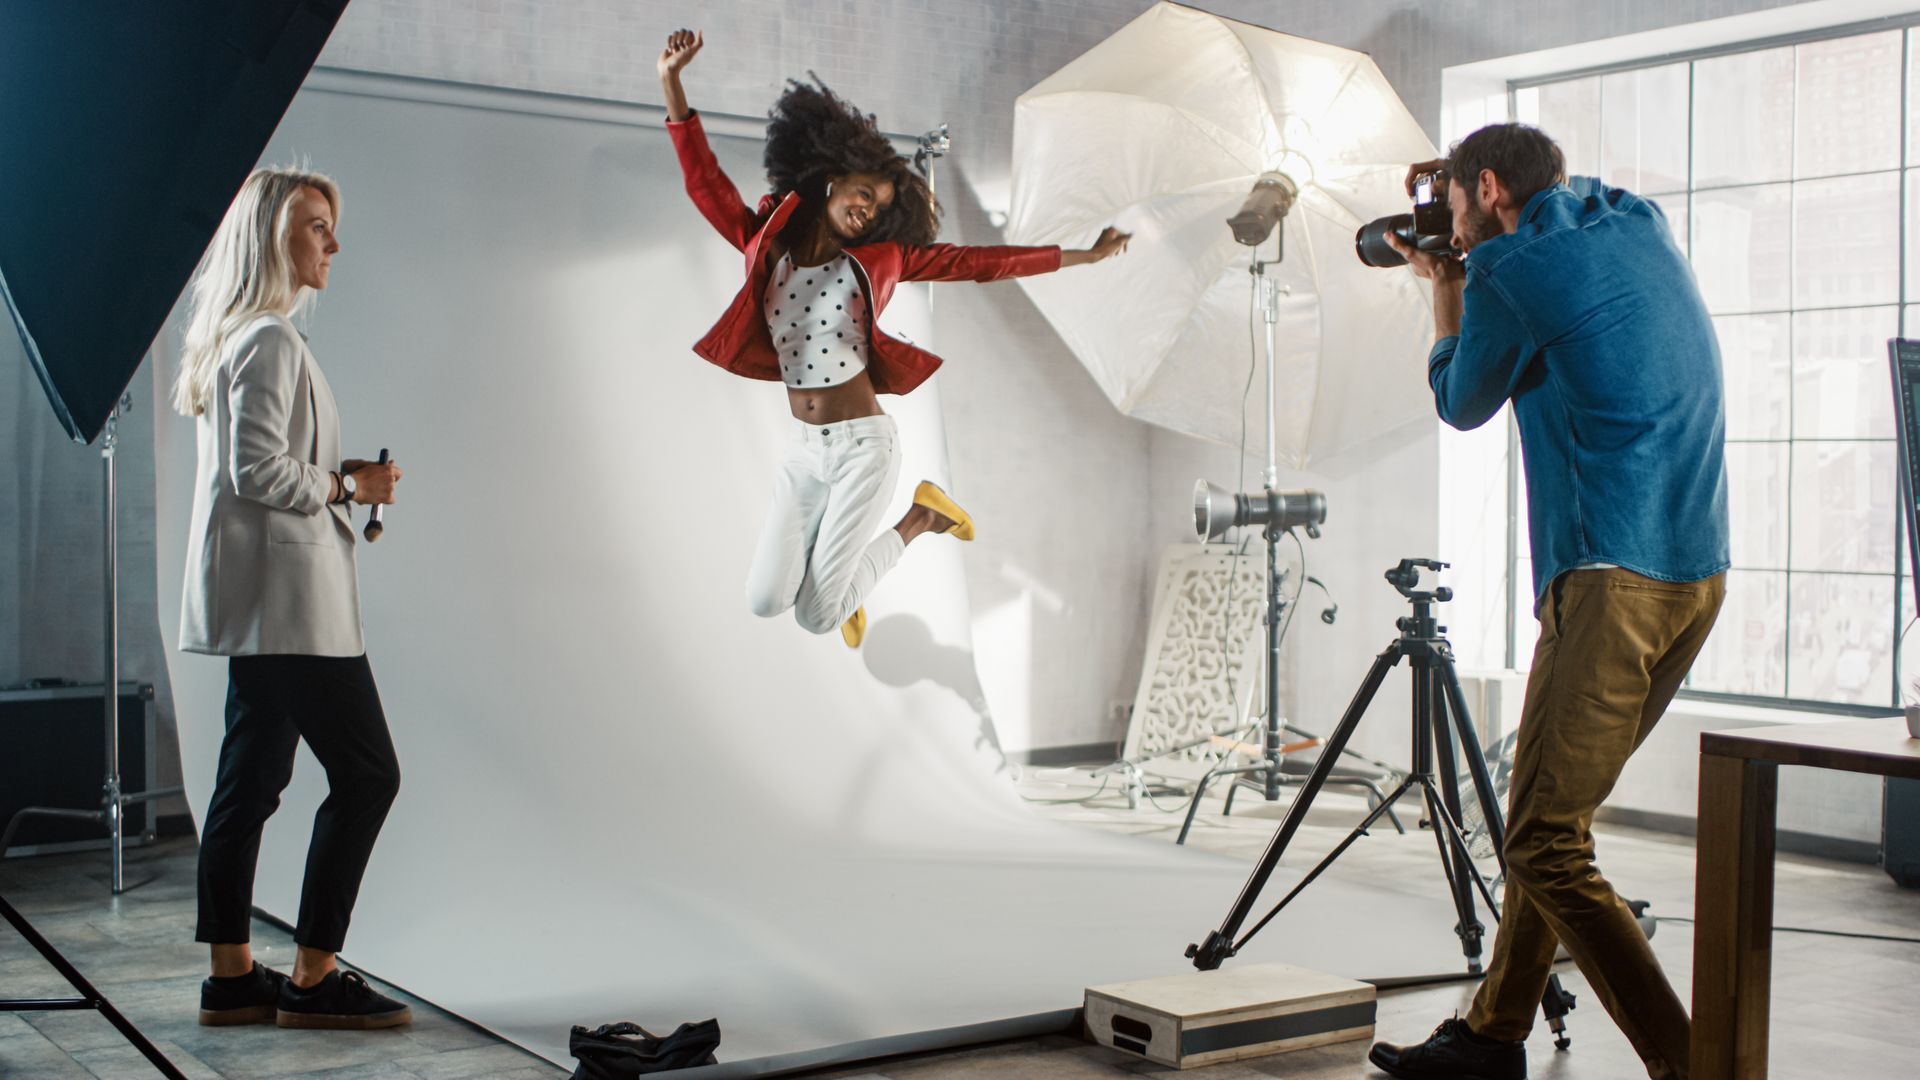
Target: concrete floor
x=1840 y=1004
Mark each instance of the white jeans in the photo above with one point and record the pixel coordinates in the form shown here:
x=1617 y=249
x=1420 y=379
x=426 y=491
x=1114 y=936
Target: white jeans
x=818 y=554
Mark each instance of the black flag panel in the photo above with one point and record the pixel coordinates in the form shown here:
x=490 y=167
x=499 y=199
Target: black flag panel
x=126 y=128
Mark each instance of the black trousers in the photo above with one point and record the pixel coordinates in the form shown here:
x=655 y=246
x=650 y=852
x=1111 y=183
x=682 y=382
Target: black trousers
x=272 y=703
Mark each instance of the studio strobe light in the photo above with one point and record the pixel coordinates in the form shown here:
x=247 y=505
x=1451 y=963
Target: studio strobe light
x=1215 y=510
x=1272 y=196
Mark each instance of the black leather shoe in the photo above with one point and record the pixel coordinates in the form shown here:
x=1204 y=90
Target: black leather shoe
x=1453 y=1052
x=253 y=998
x=342 y=1000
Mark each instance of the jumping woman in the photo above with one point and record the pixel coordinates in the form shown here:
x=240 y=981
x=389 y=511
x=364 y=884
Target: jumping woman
x=846 y=221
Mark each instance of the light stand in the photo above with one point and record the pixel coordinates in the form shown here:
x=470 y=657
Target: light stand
x=1275 y=522
x=1272 y=196
x=113 y=799
x=1276 y=512
x=932 y=146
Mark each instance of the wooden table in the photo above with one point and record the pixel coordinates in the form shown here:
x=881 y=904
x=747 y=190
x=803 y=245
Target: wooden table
x=1733 y=893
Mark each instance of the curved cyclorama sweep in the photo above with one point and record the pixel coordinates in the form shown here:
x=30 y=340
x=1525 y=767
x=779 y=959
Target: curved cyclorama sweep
x=624 y=796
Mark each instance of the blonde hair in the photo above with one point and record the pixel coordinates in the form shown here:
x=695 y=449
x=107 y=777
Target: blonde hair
x=247 y=272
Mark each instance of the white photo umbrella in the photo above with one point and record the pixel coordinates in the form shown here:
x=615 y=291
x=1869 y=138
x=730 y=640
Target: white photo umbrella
x=1163 y=129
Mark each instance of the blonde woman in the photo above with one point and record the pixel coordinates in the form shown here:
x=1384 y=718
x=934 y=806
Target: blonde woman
x=271 y=585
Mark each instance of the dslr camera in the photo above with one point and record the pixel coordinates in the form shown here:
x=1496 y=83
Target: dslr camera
x=1428 y=228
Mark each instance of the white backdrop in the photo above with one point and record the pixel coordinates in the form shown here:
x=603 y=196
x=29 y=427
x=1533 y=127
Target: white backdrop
x=625 y=797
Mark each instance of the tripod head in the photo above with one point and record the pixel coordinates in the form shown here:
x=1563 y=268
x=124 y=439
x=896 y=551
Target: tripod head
x=1406 y=578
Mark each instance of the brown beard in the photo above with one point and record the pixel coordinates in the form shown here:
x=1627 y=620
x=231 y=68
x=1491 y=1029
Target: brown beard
x=1481 y=227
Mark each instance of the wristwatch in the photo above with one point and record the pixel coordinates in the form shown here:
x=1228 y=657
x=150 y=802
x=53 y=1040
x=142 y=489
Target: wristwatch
x=347 y=487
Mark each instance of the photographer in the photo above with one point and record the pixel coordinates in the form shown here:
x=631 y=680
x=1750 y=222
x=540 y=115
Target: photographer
x=1573 y=301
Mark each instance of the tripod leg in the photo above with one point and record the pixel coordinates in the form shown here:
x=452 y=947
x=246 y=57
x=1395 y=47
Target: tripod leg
x=1459 y=837
x=1454 y=854
x=1320 y=867
x=1445 y=753
x=1193 y=807
x=1373 y=792
x=1463 y=877
x=1476 y=758
x=1218 y=945
x=1469 y=928
x=1430 y=739
x=1554 y=1005
x=1446 y=729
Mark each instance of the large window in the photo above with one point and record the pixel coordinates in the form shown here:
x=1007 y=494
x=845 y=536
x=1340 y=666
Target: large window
x=1787 y=174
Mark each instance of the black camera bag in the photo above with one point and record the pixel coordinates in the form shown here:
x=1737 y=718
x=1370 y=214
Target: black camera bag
x=619 y=1051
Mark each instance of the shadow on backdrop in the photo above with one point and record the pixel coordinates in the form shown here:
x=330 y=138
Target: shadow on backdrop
x=900 y=651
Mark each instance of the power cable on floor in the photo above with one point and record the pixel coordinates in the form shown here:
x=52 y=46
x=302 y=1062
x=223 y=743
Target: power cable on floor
x=1066 y=802
x=1812 y=930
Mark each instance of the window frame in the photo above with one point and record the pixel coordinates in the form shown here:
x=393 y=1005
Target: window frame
x=1904 y=607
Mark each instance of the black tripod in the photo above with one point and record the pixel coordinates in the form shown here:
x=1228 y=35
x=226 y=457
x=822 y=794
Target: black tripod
x=1439 y=718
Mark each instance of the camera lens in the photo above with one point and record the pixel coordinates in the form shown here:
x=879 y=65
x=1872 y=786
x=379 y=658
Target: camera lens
x=1370 y=243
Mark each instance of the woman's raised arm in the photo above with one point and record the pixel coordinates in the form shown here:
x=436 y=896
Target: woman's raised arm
x=682 y=46
x=715 y=196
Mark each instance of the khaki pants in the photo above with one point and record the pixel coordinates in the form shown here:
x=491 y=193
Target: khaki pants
x=1614 y=647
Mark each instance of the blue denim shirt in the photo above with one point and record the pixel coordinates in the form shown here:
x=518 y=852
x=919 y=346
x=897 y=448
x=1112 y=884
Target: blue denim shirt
x=1588 y=318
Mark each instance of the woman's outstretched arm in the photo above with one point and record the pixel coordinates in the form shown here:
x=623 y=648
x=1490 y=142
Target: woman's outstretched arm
x=1111 y=242
x=952 y=262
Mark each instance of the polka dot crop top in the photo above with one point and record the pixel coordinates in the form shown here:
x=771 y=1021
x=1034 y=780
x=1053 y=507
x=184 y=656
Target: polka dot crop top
x=818 y=318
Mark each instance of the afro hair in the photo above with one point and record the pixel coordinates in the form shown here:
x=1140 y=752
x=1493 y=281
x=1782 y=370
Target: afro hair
x=814 y=135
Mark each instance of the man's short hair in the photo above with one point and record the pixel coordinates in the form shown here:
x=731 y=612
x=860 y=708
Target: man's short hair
x=1521 y=155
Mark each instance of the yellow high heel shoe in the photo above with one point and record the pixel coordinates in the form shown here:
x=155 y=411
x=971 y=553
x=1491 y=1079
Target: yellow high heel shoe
x=929 y=495
x=854 y=630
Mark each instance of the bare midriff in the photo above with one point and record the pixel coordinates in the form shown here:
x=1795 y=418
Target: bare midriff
x=851 y=400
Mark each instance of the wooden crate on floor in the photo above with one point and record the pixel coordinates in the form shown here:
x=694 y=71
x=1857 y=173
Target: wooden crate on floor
x=1238 y=1012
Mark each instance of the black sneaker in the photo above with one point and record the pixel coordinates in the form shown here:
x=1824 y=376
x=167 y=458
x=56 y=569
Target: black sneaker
x=342 y=1000
x=1454 y=1052
x=252 y=998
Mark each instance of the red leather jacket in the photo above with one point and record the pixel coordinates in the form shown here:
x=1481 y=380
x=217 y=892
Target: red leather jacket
x=741 y=342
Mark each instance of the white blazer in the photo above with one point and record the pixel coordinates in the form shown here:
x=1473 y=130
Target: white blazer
x=270 y=565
